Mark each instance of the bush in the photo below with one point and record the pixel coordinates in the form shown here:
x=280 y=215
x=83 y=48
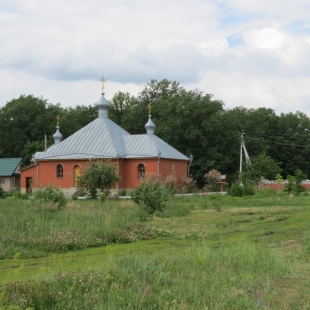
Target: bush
x=240 y=190
x=100 y=177
x=293 y=183
x=151 y=196
x=188 y=185
x=213 y=178
x=3 y=194
x=170 y=184
x=51 y=194
x=122 y=192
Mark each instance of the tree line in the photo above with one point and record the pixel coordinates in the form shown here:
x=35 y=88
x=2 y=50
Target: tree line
x=189 y=120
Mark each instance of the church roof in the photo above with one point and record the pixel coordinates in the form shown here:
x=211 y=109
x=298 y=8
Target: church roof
x=102 y=138
x=150 y=146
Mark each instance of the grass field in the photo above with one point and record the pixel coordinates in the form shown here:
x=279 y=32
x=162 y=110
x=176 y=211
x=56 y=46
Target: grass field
x=203 y=252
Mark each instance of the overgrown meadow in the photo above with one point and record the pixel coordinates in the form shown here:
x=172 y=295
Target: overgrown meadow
x=202 y=252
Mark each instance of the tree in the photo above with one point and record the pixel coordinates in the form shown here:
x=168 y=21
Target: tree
x=289 y=142
x=294 y=182
x=187 y=120
x=25 y=120
x=73 y=119
x=100 y=177
x=262 y=166
x=121 y=106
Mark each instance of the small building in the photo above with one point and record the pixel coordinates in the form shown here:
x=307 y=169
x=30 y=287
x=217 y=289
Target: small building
x=223 y=182
x=134 y=156
x=9 y=173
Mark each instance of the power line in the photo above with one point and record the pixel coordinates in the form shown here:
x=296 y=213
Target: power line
x=279 y=143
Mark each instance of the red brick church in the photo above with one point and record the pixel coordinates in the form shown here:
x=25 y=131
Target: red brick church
x=134 y=156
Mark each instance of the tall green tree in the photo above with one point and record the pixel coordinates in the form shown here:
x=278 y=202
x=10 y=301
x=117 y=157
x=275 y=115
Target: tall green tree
x=187 y=120
x=74 y=118
x=289 y=142
x=262 y=166
x=121 y=108
x=25 y=120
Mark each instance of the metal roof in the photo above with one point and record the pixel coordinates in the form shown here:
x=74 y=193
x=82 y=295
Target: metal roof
x=102 y=138
x=9 y=166
x=150 y=146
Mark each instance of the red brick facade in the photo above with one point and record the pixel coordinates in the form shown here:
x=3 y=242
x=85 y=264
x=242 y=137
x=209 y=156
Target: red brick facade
x=46 y=173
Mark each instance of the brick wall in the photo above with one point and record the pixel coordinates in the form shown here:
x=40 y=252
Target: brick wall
x=46 y=172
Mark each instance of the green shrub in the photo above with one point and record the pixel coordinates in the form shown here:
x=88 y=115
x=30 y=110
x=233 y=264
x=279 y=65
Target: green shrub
x=3 y=194
x=51 y=194
x=24 y=196
x=240 y=190
x=122 y=192
x=15 y=193
x=188 y=185
x=100 y=177
x=293 y=183
x=170 y=184
x=151 y=196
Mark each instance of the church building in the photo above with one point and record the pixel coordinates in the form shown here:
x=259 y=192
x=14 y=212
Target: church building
x=134 y=156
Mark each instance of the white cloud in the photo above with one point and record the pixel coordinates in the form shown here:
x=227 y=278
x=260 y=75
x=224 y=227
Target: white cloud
x=249 y=53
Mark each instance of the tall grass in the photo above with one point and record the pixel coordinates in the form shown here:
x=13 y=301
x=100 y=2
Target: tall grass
x=33 y=229
x=238 y=276
x=213 y=266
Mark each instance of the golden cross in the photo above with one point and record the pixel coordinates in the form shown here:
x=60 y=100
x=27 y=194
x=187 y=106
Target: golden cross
x=150 y=108
x=103 y=80
x=58 y=120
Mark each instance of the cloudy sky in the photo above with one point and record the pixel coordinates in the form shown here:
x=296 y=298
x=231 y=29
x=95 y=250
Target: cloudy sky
x=253 y=53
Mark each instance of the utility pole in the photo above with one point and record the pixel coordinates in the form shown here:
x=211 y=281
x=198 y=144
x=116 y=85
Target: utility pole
x=246 y=155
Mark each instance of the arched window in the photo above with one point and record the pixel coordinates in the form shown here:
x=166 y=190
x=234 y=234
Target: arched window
x=77 y=174
x=60 y=171
x=141 y=171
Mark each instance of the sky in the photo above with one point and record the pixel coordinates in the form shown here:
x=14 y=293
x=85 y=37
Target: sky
x=253 y=53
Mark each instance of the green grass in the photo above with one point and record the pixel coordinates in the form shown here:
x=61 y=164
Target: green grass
x=201 y=253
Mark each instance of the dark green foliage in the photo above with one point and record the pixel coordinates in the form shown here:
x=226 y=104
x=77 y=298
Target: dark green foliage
x=151 y=196
x=100 y=177
x=293 y=183
x=189 y=120
x=26 y=120
x=2 y=193
x=122 y=192
x=262 y=166
x=53 y=195
x=239 y=190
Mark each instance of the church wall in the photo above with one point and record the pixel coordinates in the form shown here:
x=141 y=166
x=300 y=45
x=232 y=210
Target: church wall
x=46 y=172
x=129 y=169
x=31 y=173
x=173 y=167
